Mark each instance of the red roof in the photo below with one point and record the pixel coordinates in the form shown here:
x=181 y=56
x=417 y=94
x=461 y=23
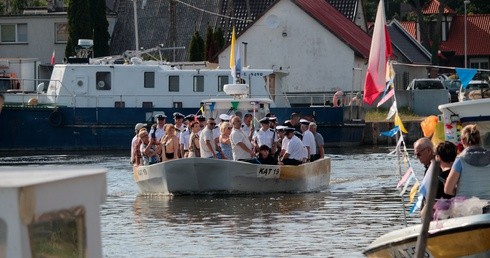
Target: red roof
x=338 y=24
x=478 y=35
x=410 y=27
x=432 y=7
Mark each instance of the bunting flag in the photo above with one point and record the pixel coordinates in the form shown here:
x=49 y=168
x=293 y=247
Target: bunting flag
x=232 y=55
x=393 y=110
x=234 y=105
x=413 y=191
x=391 y=132
x=201 y=109
x=465 y=75
x=379 y=54
x=211 y=106
x=409 y=180
x=53 y=59
x=404 y=178
x=398 y=122
x=386 y=97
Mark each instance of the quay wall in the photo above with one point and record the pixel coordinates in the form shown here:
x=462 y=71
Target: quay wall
x=373 y=129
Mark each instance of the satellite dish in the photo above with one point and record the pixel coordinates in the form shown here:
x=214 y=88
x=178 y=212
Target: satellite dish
x=272 y=21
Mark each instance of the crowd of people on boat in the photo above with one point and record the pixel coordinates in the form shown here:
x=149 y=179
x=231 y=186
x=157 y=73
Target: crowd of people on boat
x=294 y=142
x=464 y=168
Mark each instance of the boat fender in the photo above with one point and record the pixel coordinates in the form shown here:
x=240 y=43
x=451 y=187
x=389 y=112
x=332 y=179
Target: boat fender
x=56 y=118
x=338 y=99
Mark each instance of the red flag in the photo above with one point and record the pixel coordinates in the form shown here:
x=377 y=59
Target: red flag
x=379 y=53
x=53 y=60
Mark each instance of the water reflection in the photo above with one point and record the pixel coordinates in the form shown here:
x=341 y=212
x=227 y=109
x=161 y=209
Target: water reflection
x=218 y=210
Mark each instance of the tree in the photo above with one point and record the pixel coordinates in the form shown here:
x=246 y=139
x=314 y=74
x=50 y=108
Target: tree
x=210 y=45
x=78 y=24
x=219 y=38
x=196 y=48
x=100 y=27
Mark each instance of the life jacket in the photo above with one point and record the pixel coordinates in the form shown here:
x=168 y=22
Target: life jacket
x=475 y=175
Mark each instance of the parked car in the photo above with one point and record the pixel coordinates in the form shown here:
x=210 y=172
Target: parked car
x=426 y=84
x=454 y=87
x=474 y=90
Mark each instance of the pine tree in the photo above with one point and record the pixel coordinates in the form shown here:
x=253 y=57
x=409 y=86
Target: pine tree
x=79 y=26
x=100 y=27
x=196 y=48
x=219 y=38
x=210 y=45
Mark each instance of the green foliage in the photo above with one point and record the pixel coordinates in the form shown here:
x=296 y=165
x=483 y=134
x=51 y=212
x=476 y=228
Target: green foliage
x=78 y=24
x=196 y=48
x=219 y=38
x=210 y=45
x=100 y=27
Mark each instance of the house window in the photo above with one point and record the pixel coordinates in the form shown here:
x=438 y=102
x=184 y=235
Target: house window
x=61 y=31
x=198 y=83
x=149 y=79
x=13 y=33
x=173 y=83
x=103 y=80
x=479 y=63
x=222 y=80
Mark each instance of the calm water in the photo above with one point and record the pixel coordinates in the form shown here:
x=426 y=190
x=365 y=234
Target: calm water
x=360 y=205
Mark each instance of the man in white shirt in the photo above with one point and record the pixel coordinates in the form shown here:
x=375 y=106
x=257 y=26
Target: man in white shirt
x=294 y=149
x=247 y=125
x=308 y=139
x=240 y=144
x=265 y=135
x=159 y=130
x=185 y=135
x=206 y=140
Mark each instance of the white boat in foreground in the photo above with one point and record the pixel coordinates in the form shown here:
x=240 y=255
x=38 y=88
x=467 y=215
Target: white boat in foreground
x=202 y=175
x=51 y=212
x=458 y=237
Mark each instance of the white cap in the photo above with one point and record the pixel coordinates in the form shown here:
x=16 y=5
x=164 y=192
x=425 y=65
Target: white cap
x=304 y=121
x=224 y=117
x=281 y=127
x=139 y=126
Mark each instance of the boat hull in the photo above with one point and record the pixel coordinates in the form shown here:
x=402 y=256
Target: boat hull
x=457 y=237
x=201 y=176
x=51 y=128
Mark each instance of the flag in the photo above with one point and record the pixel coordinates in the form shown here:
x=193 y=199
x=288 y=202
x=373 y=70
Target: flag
x=232 y=55
x=53 y=60
x=379 y=53
x=465 y=75
x=399 y=123
x=392 y=111
x=238 y=62
x=391 y=132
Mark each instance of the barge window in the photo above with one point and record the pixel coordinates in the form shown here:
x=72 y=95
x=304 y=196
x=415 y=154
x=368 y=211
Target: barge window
x=222 y=80
x=149 y=79
x=198 y=83
x=13 y=33
x=177 y=105
x=173 y=83
x=103 y=80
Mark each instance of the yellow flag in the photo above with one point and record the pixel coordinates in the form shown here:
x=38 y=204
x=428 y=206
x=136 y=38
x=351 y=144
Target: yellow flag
x=413 y=191
x=232 y=49
x=398 y=122
x=201 y=109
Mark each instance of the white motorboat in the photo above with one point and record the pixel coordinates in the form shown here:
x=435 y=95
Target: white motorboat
x=202 y=175
x=457 y=237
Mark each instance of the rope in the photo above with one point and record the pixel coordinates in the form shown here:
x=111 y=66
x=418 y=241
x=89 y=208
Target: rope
x=213 y=13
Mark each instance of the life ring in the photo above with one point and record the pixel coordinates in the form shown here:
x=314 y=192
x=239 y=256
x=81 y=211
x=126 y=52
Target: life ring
x=56 y=118
x=338 y=99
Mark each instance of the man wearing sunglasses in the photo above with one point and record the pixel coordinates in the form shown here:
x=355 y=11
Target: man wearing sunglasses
x=424 y=151
x=206 y=140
